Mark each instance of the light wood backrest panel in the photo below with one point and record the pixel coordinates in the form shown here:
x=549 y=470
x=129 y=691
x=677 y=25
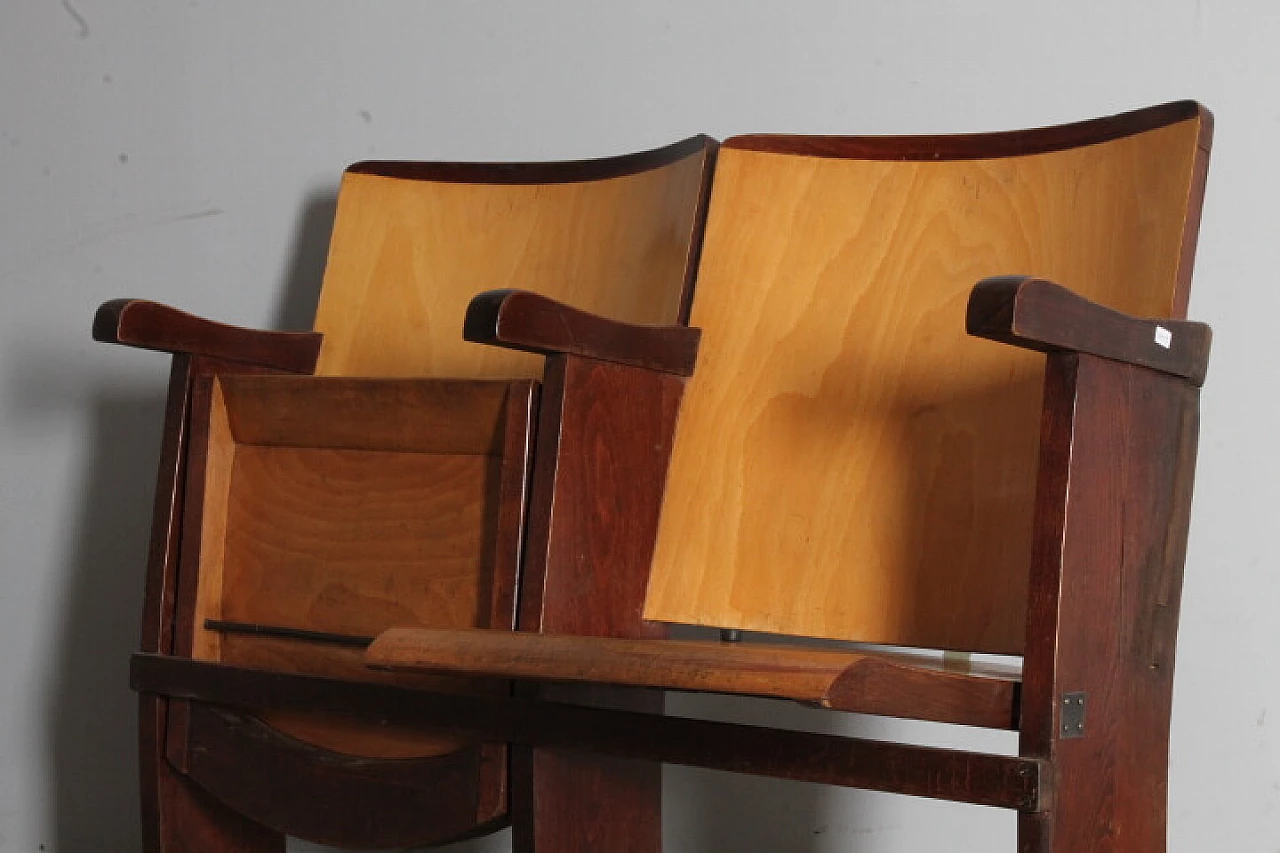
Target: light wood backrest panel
x=848 y=463
x=412 y=246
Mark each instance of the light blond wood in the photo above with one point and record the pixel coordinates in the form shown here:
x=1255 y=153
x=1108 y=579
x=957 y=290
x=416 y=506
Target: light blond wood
x=408 y=255
x=848 y=463
x=885 y=682
x=220 y=459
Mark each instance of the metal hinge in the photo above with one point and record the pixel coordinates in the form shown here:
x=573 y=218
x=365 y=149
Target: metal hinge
x=1073 y=705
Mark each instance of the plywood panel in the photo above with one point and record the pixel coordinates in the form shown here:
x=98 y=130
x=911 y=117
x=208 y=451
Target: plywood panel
x=408 y=255
x=848 y=463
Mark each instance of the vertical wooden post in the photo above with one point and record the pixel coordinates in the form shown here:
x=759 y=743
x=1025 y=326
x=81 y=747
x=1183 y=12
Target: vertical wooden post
x=604 y=439
x=1113 y=503
x=176 y=816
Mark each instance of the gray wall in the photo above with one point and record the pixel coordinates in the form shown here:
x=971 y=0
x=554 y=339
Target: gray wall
x=189 y=151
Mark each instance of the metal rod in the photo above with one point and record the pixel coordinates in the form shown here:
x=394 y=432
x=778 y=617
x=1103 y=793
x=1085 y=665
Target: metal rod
x=284 y=633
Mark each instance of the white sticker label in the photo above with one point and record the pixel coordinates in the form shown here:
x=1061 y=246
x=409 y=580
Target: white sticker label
x=1164 y=337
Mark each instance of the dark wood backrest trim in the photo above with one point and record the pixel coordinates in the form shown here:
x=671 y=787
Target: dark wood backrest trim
x=555 y=172
x=981 y=146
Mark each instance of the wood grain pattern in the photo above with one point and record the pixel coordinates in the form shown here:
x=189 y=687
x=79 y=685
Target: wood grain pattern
x=868 y=682
x=407 y=256
x=1040 y=315
x=847 y=463
x=604 y=434
x=994 y=780
x=151 y=325
x=443 y=416
x=1112 y=519
x=298 y=519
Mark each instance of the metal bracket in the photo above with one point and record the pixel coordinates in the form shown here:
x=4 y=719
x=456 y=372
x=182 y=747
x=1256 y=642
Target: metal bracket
x=1073 y=706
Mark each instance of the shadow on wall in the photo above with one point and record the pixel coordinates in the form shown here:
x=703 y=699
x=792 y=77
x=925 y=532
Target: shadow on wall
x=92 y=734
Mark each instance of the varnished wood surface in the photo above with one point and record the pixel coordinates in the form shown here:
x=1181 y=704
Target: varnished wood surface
x=1044 y=316
x=982 y=146
x=150 y=325
x=870 y=682
x=539 y=173
x=994 y=780
x=459 y=417
x=349 y=506
x=604 y=433
x=326 y=797
x=520 y=320
x=848 y=463
x=1112 y=519
x=408 y=254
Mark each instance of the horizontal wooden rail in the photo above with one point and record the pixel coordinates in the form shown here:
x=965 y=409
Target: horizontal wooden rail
x=992 y=780
x=868 y=682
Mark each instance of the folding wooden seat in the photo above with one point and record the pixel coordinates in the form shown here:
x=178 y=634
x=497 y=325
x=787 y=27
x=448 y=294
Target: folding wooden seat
x=324 y=486
x=846 y=463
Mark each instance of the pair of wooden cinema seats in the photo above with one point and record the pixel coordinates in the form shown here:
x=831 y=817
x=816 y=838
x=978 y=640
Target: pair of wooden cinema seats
x=783 y=385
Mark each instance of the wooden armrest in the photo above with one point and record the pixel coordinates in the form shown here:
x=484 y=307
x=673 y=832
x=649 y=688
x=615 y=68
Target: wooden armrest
x=1037 y=314
x=150 y=325
x=869 y=682
x=517 y=319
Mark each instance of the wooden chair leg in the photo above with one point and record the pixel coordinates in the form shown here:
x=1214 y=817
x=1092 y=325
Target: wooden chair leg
x=574 y=803
x=179 y=817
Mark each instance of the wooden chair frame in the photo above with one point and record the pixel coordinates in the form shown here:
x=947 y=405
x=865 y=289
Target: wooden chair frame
x=1117 y=447
x=215 y=778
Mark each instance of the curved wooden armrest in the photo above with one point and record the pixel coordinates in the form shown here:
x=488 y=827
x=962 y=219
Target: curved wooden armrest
x=150 y=325
x=1037 y=314
x=517 y=319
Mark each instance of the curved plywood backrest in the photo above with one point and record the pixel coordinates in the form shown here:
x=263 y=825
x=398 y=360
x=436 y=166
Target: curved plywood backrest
x=414 y=242
x=848 y=463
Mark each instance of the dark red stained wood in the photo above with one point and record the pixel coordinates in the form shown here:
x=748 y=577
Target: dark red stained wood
x=1038 y=314
x=150 y=325
x=560 y=172
x=1113 y=503
x=520 y=320
x=981 y=145
x=171 y=807
x=922 y=693
x=604 y=439
x=994 y=780
x=187 y=819
x=323 y=796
